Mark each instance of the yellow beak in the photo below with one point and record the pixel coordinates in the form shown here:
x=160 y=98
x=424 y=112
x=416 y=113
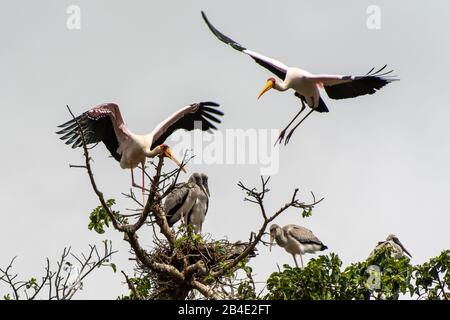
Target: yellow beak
x=168 y=154
x=267 y=87
x=271 y=242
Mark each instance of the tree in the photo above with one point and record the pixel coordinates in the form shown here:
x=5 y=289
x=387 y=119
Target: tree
x=380 y=277
x=63 y=282
x=185 y=265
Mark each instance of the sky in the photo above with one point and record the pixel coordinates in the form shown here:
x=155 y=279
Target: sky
x=380 y=162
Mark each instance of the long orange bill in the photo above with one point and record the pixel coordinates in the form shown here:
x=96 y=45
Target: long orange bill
x=168 y=154
x=267 y=87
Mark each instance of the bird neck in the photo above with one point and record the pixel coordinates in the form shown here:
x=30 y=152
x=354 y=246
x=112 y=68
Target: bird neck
x=281 y=239
x=152 y=153
x=281 y=86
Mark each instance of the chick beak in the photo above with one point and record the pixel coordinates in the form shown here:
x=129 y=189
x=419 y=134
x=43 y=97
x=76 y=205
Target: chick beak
x=271 y=242
x=168 y=154
x=206 y=191
x=267 y=87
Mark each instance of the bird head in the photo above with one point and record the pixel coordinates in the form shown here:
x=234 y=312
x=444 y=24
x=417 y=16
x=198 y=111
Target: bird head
x=269 y=85
x=166 y=152
x=196 y=178
x=205 y=183
x=274 y=231
x=201 y=180
x=391 y=237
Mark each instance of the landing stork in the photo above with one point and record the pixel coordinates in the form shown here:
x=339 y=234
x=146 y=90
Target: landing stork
x=105 y=123
x=306 y=85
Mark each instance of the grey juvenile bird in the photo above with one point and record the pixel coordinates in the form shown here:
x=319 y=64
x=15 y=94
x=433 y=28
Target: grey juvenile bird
x=189 y=201
x=295 y=240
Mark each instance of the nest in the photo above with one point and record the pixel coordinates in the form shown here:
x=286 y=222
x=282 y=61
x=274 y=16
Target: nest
x=190 y=249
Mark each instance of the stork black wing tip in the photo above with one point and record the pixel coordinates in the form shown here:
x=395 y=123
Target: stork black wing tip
x=205 y=18
x=221 y=36
x=209 y=103
x=66 y=124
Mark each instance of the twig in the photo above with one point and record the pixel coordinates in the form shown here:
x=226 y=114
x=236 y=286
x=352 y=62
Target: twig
x=91 y=175
x=257 y=196
x=130 y=285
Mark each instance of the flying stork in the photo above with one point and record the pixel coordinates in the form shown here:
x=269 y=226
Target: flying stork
x=306 y=85
x=295 y=240
x=105 y=123
x=189 y=201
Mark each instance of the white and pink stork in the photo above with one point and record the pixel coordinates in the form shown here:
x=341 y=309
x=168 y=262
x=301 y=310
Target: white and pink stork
x=104 y=123
x=306 y=85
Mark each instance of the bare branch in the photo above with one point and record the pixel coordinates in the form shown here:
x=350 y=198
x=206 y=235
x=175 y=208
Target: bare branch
x=130 y=285
x=57 y=283
x=91 y=175
x=255 y=196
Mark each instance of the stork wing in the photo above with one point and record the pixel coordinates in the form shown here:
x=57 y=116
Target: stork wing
x=302 y=234
x=342 y=87
x=101 y=123
x=174 y=201
x=275 y=66
x=195 y=116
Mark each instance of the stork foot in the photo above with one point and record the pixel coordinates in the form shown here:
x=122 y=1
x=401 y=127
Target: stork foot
x=286 y=141
x=280 y=137
x=299 y=123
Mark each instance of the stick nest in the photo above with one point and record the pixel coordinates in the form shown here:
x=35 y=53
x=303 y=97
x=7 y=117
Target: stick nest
x=193 y=255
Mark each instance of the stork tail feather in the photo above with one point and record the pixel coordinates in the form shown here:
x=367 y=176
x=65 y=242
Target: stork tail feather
x=322 y=107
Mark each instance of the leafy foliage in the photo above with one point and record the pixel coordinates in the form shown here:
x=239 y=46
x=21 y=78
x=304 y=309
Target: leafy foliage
x=432 y=279
x=379 y=277
x=142 y=289
x=99 y=219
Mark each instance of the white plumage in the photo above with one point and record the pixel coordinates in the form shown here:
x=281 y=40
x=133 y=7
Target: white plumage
x=104 y=123
x=306 y=85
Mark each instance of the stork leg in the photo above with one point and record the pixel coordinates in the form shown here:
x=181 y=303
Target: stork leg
x=295 y=260
x=283 y=132
x=143 y=182
x=198 y=229
x=135 y=185
x=301 y=260
x=292 y=131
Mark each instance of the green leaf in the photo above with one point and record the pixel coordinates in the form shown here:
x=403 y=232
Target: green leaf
x=99 y=218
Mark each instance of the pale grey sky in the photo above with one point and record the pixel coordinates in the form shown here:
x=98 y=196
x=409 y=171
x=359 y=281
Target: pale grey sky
x=381 y=161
